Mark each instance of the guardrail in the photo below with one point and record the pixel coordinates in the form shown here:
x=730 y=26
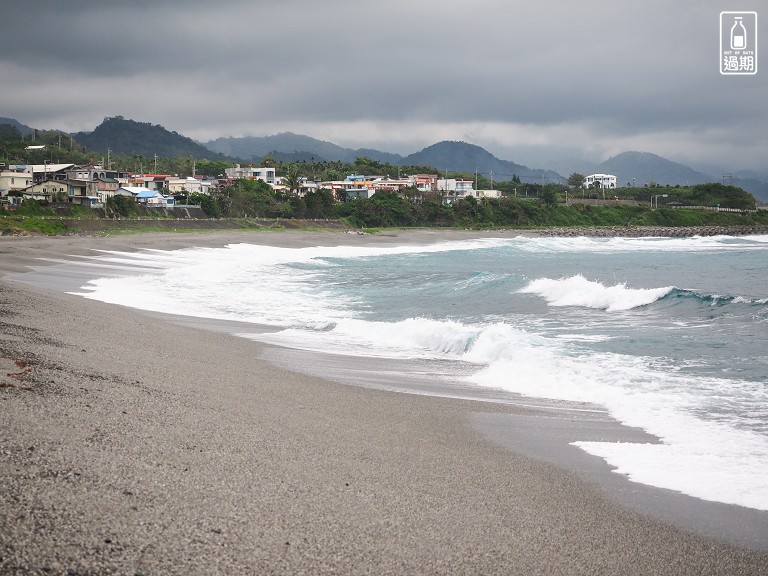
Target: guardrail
x=714 y=209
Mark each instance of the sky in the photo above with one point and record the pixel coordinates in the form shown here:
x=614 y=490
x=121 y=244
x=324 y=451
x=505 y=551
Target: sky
x=539 y=83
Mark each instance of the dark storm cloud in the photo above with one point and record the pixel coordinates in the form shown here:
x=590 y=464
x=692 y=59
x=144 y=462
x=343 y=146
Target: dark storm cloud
x=508 y=72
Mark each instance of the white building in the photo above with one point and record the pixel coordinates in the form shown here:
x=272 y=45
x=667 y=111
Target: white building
x=15 y=178
x=455 y=186
x=261 y=173
x=181 y=185
x=487 y=194
x=458 y=188
x=600 y=181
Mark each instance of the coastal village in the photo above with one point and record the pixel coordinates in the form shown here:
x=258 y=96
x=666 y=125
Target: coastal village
x=93 y=185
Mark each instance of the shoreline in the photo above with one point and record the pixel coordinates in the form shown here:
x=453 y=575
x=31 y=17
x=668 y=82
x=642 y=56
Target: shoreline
x=17 y=253
x=137 y=444
x=656 y=231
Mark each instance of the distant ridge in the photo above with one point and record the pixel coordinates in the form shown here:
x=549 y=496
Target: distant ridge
x=123 y=136
x=257 y=147
x=447 y=155
x=293 y=147
x=464 y=157
x=23 y=128
x=645 y=168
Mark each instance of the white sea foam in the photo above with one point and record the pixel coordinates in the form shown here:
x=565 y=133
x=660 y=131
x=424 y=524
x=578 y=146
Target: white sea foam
x=407 y=339
x=613 y=245
x=700 y=455
x=689 y=462
x=578 y=291
x=583 y=337
x=705 y=458
x=241 y=282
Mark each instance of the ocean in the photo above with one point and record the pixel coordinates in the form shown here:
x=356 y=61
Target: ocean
x=667 y=335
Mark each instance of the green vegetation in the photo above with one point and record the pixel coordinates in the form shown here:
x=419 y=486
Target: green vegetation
x=709 y=195
x=387 y=210
x=122 y=206
x=252 y=206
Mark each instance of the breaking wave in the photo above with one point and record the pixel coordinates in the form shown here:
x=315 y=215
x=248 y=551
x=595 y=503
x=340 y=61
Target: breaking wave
x=579 y=291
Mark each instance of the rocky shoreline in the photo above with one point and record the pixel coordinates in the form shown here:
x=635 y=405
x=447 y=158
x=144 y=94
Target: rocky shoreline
x=656 y=231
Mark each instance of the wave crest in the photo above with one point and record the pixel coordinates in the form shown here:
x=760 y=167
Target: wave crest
x=578 y=291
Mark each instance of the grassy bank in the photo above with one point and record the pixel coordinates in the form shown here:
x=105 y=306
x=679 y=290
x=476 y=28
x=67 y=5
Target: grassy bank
x=521 y=215
x=53 y=226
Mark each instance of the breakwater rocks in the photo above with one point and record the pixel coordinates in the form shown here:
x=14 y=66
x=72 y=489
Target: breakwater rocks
x=659 y=231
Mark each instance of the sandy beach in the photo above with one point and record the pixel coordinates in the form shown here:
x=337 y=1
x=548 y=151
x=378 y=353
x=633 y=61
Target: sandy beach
x=131 y=444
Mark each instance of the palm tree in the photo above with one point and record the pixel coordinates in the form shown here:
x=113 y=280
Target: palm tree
x=292 y=180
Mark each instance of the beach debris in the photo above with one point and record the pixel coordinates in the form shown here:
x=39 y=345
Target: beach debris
x=25 y=367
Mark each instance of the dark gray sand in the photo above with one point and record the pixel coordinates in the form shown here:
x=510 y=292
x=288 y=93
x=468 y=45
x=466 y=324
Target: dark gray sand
x=130 y=444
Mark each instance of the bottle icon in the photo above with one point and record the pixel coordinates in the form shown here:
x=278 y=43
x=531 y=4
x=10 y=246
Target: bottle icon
x=738 y=35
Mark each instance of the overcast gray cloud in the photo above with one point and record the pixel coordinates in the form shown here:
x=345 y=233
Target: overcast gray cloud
x=527 y=81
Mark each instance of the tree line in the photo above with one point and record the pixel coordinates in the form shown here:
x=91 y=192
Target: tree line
x=411 y=208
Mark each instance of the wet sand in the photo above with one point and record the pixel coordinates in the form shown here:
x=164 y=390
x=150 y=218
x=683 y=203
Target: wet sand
x=132 y=444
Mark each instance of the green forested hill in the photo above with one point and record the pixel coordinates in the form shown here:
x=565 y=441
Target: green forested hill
x=464 y=157
x=123 y=136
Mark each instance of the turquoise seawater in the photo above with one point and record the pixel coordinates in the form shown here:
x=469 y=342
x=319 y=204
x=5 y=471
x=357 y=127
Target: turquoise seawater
x=668 y=335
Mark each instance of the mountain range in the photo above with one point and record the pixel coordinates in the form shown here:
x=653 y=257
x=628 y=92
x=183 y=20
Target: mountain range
x=453 y=156
x=633 y=168
x=123 y=136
